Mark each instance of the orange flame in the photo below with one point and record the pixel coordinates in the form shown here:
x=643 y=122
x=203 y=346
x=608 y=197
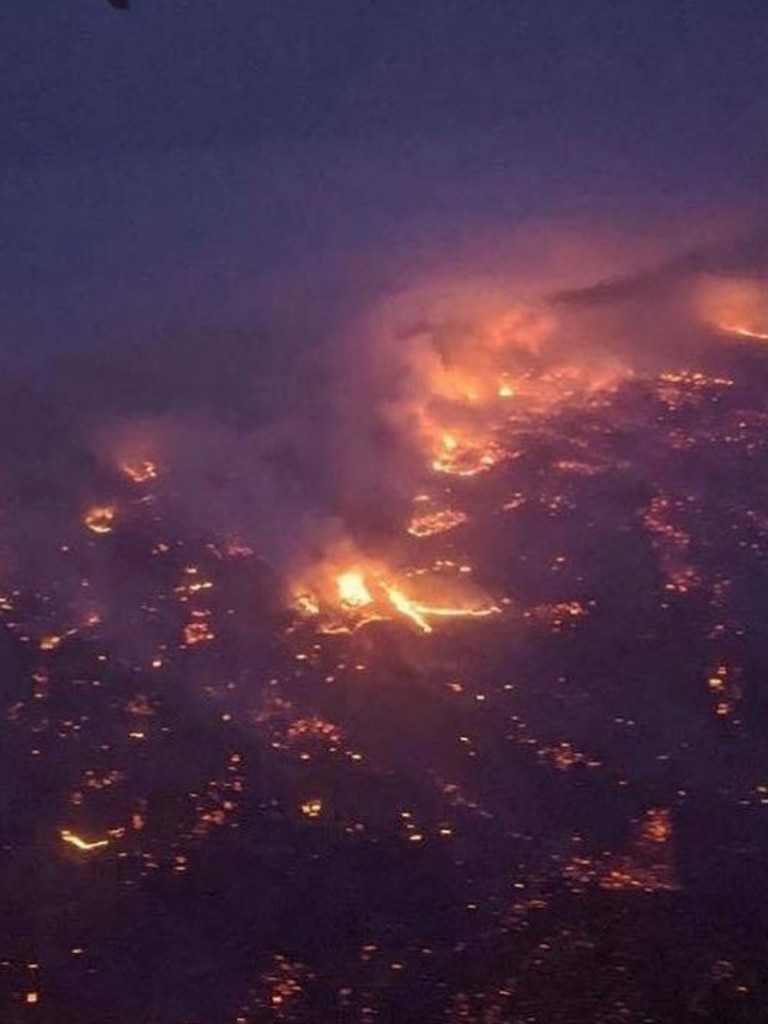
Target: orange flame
x=367 y=592
x=352 y=589
x=457 y=456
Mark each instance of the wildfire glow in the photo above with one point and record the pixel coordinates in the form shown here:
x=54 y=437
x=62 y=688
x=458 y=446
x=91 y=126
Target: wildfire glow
x=347 y=600
x=735 y=305
x=428 y=524
x=50 y=642
x=744 y=332
x=406 y=607
x=352 y=588
x=82 y=844
x=459 y=457
x=462 y=370
x=100 y=519
x=312 y=808
x=140 y=471
x=198 y=632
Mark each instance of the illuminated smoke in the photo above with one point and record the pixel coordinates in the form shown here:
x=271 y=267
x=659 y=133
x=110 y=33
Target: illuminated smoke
x=426 y=391
x=737 y=306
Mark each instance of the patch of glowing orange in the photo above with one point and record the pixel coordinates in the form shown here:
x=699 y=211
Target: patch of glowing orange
x=742 y=331
x=458 y=387
x=100 y=518
x=140 y=470
x=312 y=808
x=198 y=631
x=362 y=596
x=50 y=642
x=734 y=305
x=458 y=457
x=428 y=524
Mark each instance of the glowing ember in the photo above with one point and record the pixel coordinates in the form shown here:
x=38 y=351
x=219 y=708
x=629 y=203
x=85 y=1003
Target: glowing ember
x=656 y=827
x=100 y=519
x=649 y=863
x=724 y=686
x=312 y=808
x=50 y=642
x=82 y=844
x=140 y=471
x=564 y=757
x=198 y=632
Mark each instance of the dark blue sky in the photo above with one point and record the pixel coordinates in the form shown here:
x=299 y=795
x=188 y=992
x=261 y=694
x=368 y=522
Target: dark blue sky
x=168 y=168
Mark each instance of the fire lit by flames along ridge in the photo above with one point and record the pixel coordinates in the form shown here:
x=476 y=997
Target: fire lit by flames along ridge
x=365 y=597
x=464 y=458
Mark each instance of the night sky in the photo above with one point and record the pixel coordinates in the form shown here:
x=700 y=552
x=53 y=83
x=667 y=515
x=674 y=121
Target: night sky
x=186 y=165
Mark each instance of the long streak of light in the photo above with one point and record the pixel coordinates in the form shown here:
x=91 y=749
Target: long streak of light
x=407 y=607
x=140 y=471
x=744 y=332
x=82 y=844
x=439 y=612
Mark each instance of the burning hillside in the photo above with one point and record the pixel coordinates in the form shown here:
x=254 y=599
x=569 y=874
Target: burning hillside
x=420 y=699
x=349 y=595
